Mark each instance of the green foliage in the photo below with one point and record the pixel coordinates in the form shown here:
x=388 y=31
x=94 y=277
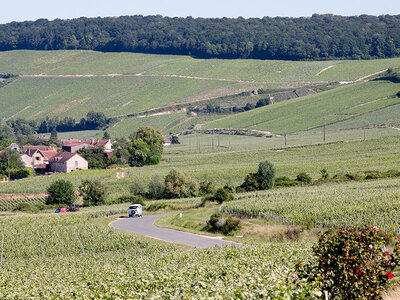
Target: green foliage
x=206 y=187
x=137 y=187
x=398 y=94
x=139 y=153
x=324 y=174
x=154 y=160
x=92 y=192
x=226 y=225
x=153 y=139
x=156 y=187
x=284 y=181
x=221 y=195
x=250 y=183
x=350 y=262
x=95 y=156
x=180 y=185
x=11 y=159
x=266 y=175
x=61 y=192
x=303 y=178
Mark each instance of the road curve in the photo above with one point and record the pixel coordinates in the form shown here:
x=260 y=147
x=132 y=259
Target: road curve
x=145 y=226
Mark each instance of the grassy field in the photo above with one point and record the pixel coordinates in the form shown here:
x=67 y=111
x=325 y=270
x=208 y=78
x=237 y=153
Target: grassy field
x=311 y=111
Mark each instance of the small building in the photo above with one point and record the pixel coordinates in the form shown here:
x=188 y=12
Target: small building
x=66 y=162
x=13 y=146
x=76 y=145
x=167 y=141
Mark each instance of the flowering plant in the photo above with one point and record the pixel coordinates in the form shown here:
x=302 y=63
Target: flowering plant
x=352 y=263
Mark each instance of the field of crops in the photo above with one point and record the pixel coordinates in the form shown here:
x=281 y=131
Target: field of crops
x=311 y=111
x=10 y=204
x=69 y=257
x=33 y=98
x=223 y=165
x=375 y=202
x=89 y=62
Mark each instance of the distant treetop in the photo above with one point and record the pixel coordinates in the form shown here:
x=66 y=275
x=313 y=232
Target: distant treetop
x=317 y=37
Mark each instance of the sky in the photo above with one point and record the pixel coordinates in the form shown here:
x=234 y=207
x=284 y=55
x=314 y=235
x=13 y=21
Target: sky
x=22 y=10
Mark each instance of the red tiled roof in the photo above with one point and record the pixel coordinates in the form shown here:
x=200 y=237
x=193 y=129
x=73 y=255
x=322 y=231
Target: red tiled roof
x=49 y=154
x=63 y=157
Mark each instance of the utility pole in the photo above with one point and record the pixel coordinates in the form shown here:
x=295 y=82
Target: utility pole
x=324 y=131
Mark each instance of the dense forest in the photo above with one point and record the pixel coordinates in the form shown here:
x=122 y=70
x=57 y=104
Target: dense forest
x=316 y=37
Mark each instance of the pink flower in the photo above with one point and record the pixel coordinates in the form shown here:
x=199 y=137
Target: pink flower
x=375 y=227
x=390 y=275
x=370 y=246
x=295 y=276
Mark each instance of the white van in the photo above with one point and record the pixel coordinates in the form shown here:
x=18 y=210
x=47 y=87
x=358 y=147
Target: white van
x=135 y=210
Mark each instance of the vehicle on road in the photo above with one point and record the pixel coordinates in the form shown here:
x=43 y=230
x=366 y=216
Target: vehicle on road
x=73 y=208
x=135 y=210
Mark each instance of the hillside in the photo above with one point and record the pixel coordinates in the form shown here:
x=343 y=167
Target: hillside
x=345 y=104
x=71 y=83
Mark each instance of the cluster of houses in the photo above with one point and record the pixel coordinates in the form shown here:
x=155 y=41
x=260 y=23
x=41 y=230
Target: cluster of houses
x=65 y=159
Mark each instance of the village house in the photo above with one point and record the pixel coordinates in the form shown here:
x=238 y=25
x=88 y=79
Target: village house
x=38 y=156
x=76 y=145
x=13 y=146
x=66 y=162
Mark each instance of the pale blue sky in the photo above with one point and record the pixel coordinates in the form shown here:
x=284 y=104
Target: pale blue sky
x=20 y=10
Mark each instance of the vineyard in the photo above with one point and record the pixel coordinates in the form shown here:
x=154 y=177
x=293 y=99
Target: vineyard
x=359 y=203
x=68 y=256
x=10 y=204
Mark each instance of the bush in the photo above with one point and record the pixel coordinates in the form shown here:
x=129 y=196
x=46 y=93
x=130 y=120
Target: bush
x=180 y=185
x=21 y=173
x=227 y=226
x=350 y=262
x=138 y=199
x=92 y=192
x=156 y=188
x=154 y=160
x=398 y=94
x=137 y=187
x=221 y=195
x=206 y=187
x=285 y=181
x=304 y=178
x=250 y=183
x=61 y=192
x=266 y=175
x=324 y=174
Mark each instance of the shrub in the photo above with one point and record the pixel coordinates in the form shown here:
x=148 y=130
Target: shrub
x=157 y=206
x=156 y=188
x=284 y=181
x=250 y=183
x=137 y=187
x=92 y=192
x=350 y=262
x=221 y=195
x=398 y=94
x=206 y=187
x=227 y=226
x=229 y=188
x=304 y=178
x=266 y=175
x=61 y=192
x=180 y=185
x=324 y=174
x=154 y=160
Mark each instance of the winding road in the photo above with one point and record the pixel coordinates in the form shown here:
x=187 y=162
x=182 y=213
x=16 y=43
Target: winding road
x=145 y=226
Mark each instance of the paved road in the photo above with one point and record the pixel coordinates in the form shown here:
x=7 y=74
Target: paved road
x=145 y=226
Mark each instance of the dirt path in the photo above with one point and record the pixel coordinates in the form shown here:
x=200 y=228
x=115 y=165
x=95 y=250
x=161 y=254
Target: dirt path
x=135 y=75
x=370 y=75
x=323 y=70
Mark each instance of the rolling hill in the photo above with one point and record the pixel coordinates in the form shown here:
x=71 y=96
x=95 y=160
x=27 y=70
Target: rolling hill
x=71 y=83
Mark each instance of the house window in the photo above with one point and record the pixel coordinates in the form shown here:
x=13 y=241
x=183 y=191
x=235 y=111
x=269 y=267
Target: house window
x=37 y=158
